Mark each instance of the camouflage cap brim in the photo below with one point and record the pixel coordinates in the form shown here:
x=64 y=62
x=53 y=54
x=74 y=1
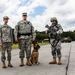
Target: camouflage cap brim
x=5 y=17
x=24 y=14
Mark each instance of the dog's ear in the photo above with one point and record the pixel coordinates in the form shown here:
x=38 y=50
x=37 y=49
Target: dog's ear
x=38 y=46
x=34 y=42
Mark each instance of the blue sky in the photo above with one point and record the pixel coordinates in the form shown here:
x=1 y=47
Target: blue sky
x=39 y=12
x=24 y=2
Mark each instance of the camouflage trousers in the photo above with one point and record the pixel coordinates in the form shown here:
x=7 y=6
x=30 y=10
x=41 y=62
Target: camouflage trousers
x=56 y=50
x=6 y=47
x=25 y=47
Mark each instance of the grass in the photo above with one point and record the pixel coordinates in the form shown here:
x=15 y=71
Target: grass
x=44 y=43
x=15 y=46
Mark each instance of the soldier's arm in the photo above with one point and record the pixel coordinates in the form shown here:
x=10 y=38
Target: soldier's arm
x=32 y=31
x=16 y=31
x=60 y=31
x=0 y=37
x=12 y=36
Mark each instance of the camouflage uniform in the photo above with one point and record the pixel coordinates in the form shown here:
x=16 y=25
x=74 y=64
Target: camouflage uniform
x=57 y=48
x=58 y=31
x=6 y=40
x=25 y=31
x=55 y=37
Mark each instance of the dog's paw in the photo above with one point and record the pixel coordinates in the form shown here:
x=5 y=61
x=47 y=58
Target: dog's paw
x=34 y=63
x=38 y=63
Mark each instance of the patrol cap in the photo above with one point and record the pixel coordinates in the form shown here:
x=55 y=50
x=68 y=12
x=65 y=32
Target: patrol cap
x=53 y=19
x=24 y=14
x=5 y=17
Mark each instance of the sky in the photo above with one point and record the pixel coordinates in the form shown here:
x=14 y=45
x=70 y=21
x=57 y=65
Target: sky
x=39 y=12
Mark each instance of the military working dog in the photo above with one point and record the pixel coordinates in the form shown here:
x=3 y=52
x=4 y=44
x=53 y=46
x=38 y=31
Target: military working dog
x=35 y=53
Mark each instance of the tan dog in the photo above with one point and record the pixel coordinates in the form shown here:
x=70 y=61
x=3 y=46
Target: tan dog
x=34 y=57
x=35 y=54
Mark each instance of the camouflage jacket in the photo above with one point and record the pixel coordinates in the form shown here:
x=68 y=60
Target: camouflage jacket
x=6 y=34
x=55 y=29
x=24 y=29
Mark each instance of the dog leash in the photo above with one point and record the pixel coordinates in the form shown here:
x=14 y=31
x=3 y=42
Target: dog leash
x=67 y=67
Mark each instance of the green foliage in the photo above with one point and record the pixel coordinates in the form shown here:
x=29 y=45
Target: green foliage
x=40 y=36
x=71 y=34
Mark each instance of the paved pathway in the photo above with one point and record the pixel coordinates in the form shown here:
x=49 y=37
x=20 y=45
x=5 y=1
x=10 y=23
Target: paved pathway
x=43 y=68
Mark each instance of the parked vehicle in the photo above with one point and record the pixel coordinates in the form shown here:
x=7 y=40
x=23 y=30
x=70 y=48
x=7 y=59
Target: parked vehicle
x=66 y=40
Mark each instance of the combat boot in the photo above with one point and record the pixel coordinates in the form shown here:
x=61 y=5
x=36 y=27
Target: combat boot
x=4 y=65
x=53 y=62
x=22 y=63
x=9 y=64
x=59 y=61
x=28 y=63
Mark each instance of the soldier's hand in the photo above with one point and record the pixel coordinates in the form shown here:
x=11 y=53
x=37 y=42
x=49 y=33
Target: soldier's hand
x=55 y=34
x=47 y=26
x=12 y=44
x=33 y=39
x=0 y=44
x=16 y=39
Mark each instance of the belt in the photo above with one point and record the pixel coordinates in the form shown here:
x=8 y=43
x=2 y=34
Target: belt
x=25 y=34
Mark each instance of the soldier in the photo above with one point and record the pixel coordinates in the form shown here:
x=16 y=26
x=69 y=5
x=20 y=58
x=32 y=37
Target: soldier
x=6 y=41
x=24 y=34
x=55 y=34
